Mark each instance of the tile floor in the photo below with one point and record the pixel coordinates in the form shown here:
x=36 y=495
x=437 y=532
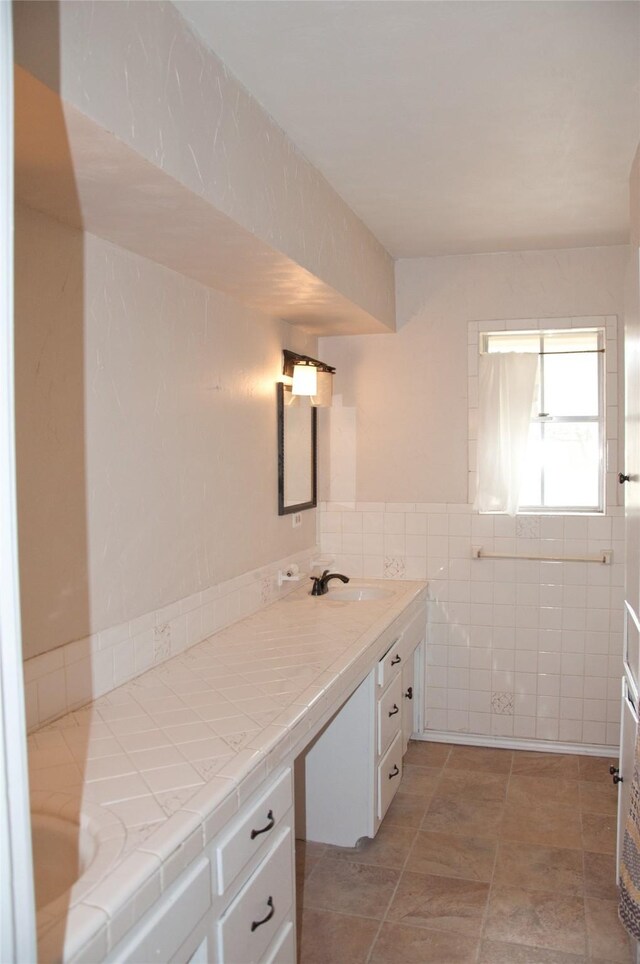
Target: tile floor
x=486 y=856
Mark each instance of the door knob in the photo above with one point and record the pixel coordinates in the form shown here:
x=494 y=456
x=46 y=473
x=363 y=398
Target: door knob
x=622 y=478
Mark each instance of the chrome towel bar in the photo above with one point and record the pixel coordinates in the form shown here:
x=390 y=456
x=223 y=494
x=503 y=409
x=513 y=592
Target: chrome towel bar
x=605 y=557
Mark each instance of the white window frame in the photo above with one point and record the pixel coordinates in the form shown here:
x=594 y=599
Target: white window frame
x=600 y=418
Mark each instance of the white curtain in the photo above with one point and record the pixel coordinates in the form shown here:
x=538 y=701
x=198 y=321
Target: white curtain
x=506 y=390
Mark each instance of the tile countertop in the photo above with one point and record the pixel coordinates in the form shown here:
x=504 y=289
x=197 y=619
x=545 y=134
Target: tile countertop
x=155 y=768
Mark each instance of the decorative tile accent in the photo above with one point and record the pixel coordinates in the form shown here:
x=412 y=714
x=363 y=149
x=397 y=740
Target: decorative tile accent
x=394 y=567
x=502 y=703
x=528 y=527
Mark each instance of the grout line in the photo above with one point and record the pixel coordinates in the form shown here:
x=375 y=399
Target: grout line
x=406 y=860
x=495 y=861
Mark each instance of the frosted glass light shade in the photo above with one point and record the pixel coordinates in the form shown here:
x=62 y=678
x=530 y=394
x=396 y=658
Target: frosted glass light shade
x=305 y=380
x=323 y=395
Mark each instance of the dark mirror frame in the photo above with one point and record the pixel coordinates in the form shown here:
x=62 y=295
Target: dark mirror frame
x=313 y=455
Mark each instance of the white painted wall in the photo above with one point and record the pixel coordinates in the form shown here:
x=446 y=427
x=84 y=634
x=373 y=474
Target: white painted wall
x=147 y=445
x=410 y=389
x=139 y=72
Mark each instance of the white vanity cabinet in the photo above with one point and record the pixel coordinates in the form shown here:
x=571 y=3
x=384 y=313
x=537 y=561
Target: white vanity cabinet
x=236 y=902
x=254 y=879
x=349 y=775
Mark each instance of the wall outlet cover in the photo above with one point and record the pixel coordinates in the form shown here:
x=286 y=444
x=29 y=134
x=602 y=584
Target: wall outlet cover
x=296 y=519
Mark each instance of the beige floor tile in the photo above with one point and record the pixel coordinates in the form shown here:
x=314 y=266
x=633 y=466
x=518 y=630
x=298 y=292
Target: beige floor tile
x=450 y=855
x=607 y=937
x=534 y=764
x=546 y=869
x=600 y=876
x=443 y=903
x=544 y=825
x=328 y=938
x=308 y=854
x=389 y=848
x=480 y=758
x=479 y=786
x=422 y=780
x=496 y=952
x=350 y=888
x=525 y=790
x=407 y=809
x=541 y=920
x=453 y=813
x=599 y=833
x=596 y=768
x=401 y=944
x=598 y=798
x=424 y=754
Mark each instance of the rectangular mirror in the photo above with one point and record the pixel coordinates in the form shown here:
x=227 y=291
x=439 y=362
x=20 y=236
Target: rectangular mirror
x=297 y=441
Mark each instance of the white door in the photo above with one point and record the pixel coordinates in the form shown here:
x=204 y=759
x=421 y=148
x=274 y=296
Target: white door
x=632 y=400
x=628 y=725
x=17 y=926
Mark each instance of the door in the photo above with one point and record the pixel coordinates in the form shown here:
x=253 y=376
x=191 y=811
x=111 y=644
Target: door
x=632 y=400
x=628 y=725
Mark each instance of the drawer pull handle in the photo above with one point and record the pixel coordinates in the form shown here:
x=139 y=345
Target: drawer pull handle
x=394 y=772
x=258 y=923
x=269 y=826
x=396 y=660
x=394 y=710
x=409 y=694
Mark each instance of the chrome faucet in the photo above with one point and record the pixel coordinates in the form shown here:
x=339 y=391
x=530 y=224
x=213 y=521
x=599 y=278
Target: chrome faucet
x=321 y=583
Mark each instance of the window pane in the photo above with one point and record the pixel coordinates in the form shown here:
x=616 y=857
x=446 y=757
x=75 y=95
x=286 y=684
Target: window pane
x=571 y=384
x=531 y=494
x=514 y=342
x=571 y=454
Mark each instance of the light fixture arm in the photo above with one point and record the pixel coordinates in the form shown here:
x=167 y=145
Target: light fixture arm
x=291 y=358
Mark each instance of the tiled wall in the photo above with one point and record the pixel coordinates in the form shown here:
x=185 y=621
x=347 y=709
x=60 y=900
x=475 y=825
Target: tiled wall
x=71 y=675
x=516 y=648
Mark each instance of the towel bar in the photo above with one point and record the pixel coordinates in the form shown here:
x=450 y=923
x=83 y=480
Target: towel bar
x=605 y=557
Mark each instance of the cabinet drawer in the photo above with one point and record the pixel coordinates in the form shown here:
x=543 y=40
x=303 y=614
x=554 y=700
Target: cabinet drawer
x=389 y=713
x=252 y=920
x=389 y=775
x=283 y=950
x=256 y=825
x=390 y=664
x=165 y=928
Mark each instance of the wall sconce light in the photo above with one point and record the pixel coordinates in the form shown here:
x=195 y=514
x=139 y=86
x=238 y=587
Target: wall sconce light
x=305 y=379
x=310 y=377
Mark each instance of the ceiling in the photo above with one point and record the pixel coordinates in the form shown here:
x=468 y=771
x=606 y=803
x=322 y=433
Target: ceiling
x=450 y=127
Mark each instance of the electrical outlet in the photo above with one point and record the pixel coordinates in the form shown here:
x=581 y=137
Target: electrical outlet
x=296 y=519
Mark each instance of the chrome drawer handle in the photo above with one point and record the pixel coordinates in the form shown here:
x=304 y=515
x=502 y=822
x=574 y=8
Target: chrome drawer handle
x=258 y=923
x=270 y=826
x=394 y=772
x=396 y=660
x=394 y=710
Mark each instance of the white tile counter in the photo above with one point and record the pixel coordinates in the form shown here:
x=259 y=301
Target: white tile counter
x=156 y=768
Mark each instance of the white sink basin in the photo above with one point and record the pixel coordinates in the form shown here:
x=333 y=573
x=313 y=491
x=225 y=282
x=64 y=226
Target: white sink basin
x=359 y=594
x=62 y=852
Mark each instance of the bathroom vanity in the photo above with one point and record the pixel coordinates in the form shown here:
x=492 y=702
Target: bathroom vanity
x=204 y=872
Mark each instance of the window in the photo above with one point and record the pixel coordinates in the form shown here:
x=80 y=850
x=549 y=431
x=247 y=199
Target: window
x=565 y=452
